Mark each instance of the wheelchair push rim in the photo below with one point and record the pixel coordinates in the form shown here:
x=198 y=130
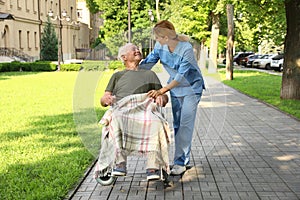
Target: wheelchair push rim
x=106 y=180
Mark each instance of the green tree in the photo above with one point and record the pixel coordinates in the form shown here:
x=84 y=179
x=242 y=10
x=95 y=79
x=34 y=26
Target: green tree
x=114 y=32
x=49 y=43
x=277 y=21
x=257 y=21
x=189 y=17
x=92 y=6
x=290 y=88
x=274 y=21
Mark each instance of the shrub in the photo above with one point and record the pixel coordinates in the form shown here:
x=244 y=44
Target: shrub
x=94 y=65
x=70 y=67
x=34 y=66
x=15 y=66
x=42 y=66
x=26 y=66
x=4 y=67
x=116 y=65
x=49 y=66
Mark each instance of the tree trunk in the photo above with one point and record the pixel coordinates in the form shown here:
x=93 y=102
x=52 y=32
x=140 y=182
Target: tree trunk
x=213 y=50
x=202 y=63
x=290 y=88
x=230 y=43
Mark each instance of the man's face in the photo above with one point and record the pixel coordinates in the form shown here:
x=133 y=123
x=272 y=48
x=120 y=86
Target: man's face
x=133 y=54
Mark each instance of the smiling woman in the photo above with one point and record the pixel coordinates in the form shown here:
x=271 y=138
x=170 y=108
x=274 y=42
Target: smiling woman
x=42 y=152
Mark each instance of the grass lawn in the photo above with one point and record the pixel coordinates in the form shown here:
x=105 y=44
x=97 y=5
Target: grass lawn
x=263 y=86
x=42 y=155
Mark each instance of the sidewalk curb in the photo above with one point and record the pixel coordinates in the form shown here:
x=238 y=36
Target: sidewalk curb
x=72 y=192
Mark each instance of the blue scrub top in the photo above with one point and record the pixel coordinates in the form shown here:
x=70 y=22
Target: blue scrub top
x=181 y=66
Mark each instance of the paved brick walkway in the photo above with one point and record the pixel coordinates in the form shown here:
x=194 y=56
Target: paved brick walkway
x=242 y=149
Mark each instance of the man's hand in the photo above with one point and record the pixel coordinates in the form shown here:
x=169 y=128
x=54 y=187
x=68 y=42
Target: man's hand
x=108 y=99
x=160 y=97
x=162 y=100
x=155 y=93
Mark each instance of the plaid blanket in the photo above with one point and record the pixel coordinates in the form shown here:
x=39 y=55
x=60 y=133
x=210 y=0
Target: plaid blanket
x=133 y=125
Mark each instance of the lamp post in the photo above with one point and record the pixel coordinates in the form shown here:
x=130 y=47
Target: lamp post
x=60 y=17
x=151 y=18
x=129 y=21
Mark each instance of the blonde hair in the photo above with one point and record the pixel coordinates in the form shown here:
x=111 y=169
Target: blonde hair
x=166 y=28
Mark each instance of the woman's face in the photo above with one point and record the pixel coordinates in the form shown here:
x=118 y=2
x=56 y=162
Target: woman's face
x=161 y=39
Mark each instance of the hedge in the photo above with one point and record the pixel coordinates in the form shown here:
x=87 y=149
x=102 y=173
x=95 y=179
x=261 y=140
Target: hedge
x=34 y=66
x=49 y=66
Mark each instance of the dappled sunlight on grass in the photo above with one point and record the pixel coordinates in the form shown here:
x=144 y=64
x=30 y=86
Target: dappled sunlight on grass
x=263 y=86
x=45 y=179
x=43 y=155
x=34 y=148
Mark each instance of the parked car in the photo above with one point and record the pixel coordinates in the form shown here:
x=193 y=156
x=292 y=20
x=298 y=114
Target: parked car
x=251 y=58
x=277 y=63
x=239 y=58
x=264 y=62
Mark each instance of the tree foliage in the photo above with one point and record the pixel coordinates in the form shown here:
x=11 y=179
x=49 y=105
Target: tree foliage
x=114 y=32
x=189 y=17
x=49 y=43
x=255 y=21
x=259 y=21
x=92 y=6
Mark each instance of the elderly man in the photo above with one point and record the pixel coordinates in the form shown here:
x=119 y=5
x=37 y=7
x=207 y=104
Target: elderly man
x=132 y=80
x=128 y=82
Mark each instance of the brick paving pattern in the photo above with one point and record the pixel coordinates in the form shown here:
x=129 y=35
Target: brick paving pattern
x=242 y=149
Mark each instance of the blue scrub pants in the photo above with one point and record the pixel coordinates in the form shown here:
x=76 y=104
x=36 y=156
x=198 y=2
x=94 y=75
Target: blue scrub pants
x=184 y=113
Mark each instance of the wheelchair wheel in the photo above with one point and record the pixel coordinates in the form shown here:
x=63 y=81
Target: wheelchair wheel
x=106 y=180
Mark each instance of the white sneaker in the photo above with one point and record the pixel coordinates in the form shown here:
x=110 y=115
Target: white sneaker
x=177 y=170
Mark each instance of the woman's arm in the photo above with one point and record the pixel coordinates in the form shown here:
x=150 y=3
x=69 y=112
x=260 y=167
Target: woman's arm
x=150 y=60
x=163 y=90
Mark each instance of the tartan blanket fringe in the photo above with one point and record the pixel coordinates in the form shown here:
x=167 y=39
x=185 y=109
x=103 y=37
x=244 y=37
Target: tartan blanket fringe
x=134 y=126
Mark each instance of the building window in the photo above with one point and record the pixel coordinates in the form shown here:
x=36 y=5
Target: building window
x=56 y=7
x=74 y=41
x=33 y=6
x=18 y=4
x=79 y=13
x=71 y=13
x=46 y=7
x=35 y=40
x=26 y=5
x=20 y=39
x=28 y=40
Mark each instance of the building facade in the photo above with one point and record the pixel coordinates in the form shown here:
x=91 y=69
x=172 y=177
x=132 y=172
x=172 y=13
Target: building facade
x=22 y=35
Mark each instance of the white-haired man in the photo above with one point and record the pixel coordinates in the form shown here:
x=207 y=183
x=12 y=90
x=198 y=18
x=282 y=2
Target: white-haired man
x=133 y=80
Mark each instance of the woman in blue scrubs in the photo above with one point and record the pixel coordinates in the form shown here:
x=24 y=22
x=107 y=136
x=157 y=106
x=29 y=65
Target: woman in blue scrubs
x=185 y=84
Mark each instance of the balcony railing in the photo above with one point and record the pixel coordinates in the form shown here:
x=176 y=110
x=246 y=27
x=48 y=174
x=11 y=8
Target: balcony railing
x=15 y=53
